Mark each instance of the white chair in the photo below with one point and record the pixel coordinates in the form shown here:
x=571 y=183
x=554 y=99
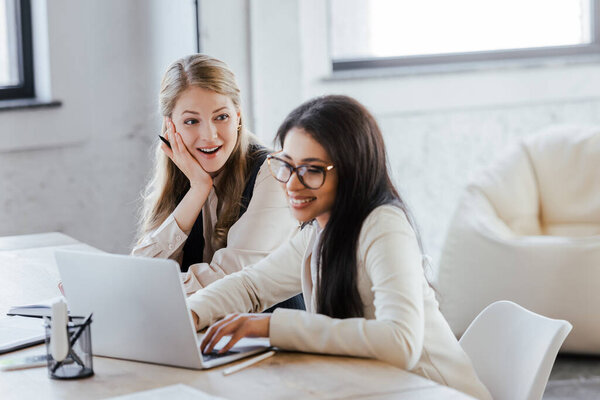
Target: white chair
x=513 y=349
x=527 y=229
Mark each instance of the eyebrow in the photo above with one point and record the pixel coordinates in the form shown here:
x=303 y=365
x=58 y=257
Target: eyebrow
x=219 y=109
x=195 y=113
x=310 y=159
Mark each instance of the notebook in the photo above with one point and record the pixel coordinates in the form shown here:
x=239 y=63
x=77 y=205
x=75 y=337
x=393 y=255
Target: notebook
x=140 y=310
x=19 y=332
x=38 y=310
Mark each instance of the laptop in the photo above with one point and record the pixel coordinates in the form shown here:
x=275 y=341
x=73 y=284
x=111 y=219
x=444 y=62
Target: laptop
x=140 y=310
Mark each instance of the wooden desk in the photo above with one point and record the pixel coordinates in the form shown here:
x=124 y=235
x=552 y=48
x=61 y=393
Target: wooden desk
x=28 y=274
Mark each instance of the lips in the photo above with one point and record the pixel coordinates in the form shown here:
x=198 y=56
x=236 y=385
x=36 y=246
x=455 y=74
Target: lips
x=299 y=203
x=302 y=201
x=209 y=150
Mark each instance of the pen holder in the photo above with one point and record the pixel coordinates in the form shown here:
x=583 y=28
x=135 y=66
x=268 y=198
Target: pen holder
x=78 y=362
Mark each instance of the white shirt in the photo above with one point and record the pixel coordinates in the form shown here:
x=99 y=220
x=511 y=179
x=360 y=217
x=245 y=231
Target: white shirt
x=265 y=225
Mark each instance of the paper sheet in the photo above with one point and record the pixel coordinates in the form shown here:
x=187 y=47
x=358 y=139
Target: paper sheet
x=179 y=391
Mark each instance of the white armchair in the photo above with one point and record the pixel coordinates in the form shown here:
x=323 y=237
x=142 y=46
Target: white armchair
x=528 y=230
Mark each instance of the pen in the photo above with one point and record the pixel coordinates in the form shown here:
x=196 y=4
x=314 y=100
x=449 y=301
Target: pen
x=248 y=363
x=85 y=323
x=165 y=141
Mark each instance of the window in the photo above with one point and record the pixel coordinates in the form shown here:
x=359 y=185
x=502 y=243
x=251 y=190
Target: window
x=16 y=50
x=387 y=33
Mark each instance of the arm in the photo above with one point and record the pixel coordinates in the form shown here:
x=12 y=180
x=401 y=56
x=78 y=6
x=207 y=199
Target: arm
x=390 y=256
x=166 y=241
x=266 y=224
x=255 y=288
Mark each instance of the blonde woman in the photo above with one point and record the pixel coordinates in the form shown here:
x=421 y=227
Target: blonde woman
x=212 y=204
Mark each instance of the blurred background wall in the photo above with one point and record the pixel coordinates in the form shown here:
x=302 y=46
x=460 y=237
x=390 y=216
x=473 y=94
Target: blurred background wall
x=79 y=168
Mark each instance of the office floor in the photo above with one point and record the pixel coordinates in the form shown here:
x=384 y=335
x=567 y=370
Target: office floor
x=574 y=377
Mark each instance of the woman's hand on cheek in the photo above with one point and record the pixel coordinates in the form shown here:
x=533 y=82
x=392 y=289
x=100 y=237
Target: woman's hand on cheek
x=238 y=326
x=182 y=157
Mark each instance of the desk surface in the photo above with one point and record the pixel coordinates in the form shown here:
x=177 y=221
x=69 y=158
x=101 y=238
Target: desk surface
x=28 y=274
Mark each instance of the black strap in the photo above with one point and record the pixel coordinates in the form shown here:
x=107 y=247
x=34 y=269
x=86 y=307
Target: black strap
x=259 y=155
x=193 y=250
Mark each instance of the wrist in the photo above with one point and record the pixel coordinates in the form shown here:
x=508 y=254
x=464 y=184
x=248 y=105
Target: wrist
x=268 y=326
x=201 y=188
x=196 y=319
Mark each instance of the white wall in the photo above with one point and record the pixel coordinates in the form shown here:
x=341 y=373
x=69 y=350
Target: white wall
x=79 y=168
x=225 y=34
x=439 y=126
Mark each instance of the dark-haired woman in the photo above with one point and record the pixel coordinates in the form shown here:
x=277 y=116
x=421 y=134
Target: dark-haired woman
x=357 y=260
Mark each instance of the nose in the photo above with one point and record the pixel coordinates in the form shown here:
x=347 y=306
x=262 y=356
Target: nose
x=294 y=184
x=208 y=132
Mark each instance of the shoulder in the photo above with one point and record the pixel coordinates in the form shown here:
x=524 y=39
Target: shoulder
x=387 y=215
x=265 y=180
x=385 y=220
x=263 y=172
x=267 y=192
x=388 y=243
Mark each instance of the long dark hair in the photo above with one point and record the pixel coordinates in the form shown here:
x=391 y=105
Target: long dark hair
x=351 y=137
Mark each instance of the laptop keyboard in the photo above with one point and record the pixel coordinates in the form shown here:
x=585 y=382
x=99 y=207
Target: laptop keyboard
x=213 y=355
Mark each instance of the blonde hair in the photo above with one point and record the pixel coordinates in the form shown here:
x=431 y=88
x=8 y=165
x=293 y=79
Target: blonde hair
x=168 y=184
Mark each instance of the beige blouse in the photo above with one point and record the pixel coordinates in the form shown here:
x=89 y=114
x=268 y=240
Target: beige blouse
x=266 y=224
x=402 y=324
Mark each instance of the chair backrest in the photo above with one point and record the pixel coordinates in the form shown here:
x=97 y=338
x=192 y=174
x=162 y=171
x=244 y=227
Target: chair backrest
x=566 y=161
x=547 y=183
x=513 y=349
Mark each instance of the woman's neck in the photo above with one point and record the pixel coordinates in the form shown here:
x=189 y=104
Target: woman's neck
x=323 y=219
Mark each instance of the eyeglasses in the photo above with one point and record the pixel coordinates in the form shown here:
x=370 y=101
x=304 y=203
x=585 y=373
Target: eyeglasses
x=311 y=176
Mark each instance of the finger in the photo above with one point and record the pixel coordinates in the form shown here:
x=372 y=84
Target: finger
x=213 y=329
x=172 y=125
x=167 y=150
x=221 y=331
x=185 y=152
x=178 y=142
x=168 y=128
x=225 y=329
x=239 y=333
x=210 y=332
x=169 y=123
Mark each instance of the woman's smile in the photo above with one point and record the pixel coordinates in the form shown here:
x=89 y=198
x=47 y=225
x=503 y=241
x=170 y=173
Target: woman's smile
x=209 y=152
x=299 y=202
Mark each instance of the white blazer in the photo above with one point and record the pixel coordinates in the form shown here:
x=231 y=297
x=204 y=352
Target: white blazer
x=402 y=324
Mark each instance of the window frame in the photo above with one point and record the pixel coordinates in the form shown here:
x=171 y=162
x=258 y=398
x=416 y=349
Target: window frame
x=26 y=89
x=540 y=53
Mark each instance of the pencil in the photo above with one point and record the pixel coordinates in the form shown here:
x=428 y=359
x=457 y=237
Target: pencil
x=165 y=141
x=248 y=363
